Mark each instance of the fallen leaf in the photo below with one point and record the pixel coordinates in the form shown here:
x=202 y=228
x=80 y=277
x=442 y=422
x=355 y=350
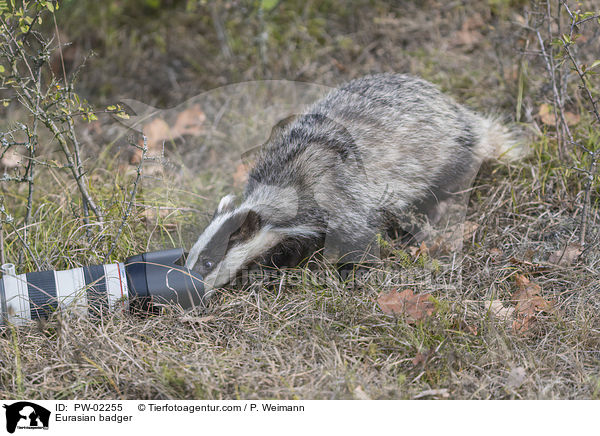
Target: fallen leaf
x=523 y=324
x=499 y=310
x=156 y=131
x=528 y=296
x=520 y=19
x=469 y=229
x=467 y=38
x=572 y=119
x=547 y=116
x=495 y=252
x=567 y=256
x=11 y=159
x=418 y=251
x=475 y=21
x=189 y=122
x=420 y=358
x=240 y=176
x=338 y=65
x=413 y=307
x=151 y=216
x=462 y=325
x=468 y=35
x=529 y=303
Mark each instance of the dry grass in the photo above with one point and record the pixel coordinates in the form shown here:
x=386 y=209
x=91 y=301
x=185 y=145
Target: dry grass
x=302 y=339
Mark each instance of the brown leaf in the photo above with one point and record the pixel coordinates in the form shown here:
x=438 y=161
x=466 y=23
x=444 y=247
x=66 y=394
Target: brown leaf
x=467 y=38
x=468 y=35
x=475 y=21
x=152 y=215
x=495 y=253
x=522 y=325
x=472 y=329
x=240 y=176
x=189 y=122
x=11 y=159
x=567 y=256
x=421 y=358
x=157 y=131
x=529 y=303
x=547 y=116
x=469 y=229
x=338 y=65
x=499 y=310
x=413 y=307
x=418 y=251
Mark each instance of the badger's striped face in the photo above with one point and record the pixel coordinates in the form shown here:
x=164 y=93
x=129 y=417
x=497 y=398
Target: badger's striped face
x=234 y=238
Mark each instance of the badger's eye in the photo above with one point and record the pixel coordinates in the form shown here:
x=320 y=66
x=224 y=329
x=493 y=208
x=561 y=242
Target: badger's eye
x=208 y=264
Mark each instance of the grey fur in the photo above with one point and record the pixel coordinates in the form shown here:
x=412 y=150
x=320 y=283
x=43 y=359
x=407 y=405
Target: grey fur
x=357 y=162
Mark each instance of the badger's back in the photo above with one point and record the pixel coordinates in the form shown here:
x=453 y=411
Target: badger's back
x=360 y=159
x=372 y=148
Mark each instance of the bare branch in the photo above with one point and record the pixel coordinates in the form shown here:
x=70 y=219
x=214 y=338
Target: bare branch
x=131 y=202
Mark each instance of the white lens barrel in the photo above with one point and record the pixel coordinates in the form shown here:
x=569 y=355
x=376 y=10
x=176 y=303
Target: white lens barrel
x=31 y=296
x=15 y=304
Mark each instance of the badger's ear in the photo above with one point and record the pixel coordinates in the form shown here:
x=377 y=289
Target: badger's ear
x=251 y=224
x=227 y=204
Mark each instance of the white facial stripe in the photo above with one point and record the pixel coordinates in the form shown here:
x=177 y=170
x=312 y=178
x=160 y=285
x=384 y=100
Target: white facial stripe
x=298 y=231
x=204 y=239
x=239 y=256
x=226 y=203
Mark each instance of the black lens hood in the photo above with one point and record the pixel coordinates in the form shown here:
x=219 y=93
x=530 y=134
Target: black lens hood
x=160 y=277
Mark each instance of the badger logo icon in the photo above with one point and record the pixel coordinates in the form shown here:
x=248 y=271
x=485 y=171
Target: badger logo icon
x=26 y=415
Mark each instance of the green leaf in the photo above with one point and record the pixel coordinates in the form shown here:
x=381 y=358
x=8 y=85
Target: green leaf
x=594 y=64
x=268 y=5
x=50 y=6
x=123 y=115
x=111 y=108
x=1 y=69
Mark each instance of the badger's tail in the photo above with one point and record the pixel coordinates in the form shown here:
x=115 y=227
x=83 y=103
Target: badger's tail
x=498 y=141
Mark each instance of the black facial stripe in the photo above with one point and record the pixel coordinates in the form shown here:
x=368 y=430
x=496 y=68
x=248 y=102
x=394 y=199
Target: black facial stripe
x=220 y=243
x=42 y=293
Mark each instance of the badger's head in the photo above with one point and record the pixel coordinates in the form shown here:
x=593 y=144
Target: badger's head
x=234 y=238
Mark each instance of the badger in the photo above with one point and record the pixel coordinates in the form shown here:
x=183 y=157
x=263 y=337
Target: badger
x=352 y=165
